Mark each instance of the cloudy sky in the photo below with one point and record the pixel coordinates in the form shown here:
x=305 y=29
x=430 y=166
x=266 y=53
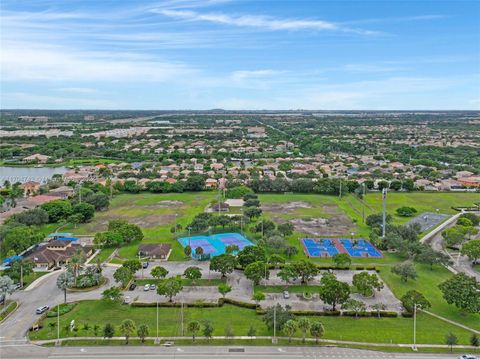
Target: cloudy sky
x=264 y=54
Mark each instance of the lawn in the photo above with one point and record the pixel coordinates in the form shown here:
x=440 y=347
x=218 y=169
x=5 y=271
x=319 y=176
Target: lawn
x=153 y=212
x=385 y=330
x=427 y=284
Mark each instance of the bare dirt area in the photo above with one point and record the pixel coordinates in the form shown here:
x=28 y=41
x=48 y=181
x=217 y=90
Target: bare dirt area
x=285 y=207
x=165 y=204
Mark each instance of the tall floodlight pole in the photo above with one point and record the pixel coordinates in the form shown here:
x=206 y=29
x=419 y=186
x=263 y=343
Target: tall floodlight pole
x=384 y=215
x=58 y=323
x=363 y=203
x=340 y=193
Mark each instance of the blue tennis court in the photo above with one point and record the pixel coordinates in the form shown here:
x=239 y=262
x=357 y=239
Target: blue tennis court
x=319 y=247
x=360 y=248
x=215 y=244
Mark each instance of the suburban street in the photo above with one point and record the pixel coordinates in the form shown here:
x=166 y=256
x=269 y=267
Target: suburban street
x=31 y=351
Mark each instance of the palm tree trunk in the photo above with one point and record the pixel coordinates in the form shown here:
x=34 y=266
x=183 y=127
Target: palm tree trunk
x=65 y=295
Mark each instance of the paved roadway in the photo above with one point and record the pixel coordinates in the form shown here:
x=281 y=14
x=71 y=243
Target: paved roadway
x=46 y=293
x=31 y=351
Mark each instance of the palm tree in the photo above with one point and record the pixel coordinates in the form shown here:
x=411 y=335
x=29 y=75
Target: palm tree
x=304 y=325
x=142 y=332
x=258 y=297
x=76 y=262
x=193 y=327
x=64 y=281
x=127 y=328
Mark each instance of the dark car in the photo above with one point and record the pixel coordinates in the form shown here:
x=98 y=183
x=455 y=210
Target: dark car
x=132 y=286
x=145 y=265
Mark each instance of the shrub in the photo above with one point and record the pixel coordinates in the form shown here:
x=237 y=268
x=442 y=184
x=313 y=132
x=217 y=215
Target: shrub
x=64 y=308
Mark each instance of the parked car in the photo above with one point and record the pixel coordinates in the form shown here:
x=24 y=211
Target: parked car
x=146 y=287
x=132 y=286
x=2 y=298
x=126 y=300
x=286 y=295
x=467 y=356
x=145 y=265
x=41 y=310
x=17 y=286
x=153 y=287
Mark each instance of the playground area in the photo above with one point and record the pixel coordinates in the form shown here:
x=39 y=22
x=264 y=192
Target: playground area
x=215 y=244
x=327 y=247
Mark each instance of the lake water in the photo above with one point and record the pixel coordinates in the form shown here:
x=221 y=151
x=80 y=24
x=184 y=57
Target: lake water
x=25 y=174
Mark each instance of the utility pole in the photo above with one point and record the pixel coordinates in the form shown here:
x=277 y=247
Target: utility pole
x=274 y=341
x=181 y=315
x=58 y=323
x=157 y=341
x=241 y=221
x=384 y=215
x=175 y=230
x=21 y=275
x=415 y=326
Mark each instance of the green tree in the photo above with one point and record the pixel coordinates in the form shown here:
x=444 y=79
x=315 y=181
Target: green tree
x=159 y=272
x=472 y=250
x=275 y=260
x=342 y=260
x=193 y=327
x=252 y=331
x=412 y=298
x=378 y=307
x=127 y=328
x=256 y=272
x=113 y=294
x=123 y=275
x=287 y=273
x=290 y=328
x=224 y=289
x=192 y=273
x=290 y=251
x=304 y=325
x=64 y=281
x=332 y=291
x=6 y=287
x=462 y=291
x=451 y=340
x=251 y=254
x=355 y=306
x=258 y=297
x=133 y=265
x=305 y=270
x=207 y=330
x=474 y=340
x=317 y=330
x=406 y=211
x=405 y=270
x=85 y=210
x=108 y=331
x=224 y=263
x=367 y=283
x=277 y=315
x=142 y=332
x=431 y=257
x=188 y=251
x=286 y=229
x=170 y=287
x=57 y=210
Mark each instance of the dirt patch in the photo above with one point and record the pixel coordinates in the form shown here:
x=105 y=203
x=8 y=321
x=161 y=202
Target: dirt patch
x=165 y=204
x=337 y=225
x=285 y=207
x=148 y=221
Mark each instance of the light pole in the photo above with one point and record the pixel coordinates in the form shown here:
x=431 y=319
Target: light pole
x=175 y=230
x=363 y=203
x=157 y=341
x=58 y=323
x=415 y=326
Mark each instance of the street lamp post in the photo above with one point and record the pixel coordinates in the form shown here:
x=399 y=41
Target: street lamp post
x=58 y=323
x=157 y=341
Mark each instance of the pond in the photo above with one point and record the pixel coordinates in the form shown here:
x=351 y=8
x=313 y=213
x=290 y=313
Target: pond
x=25 y=174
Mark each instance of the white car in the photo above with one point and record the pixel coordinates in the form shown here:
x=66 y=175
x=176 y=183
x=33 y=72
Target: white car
x=41 y=310
x=467 y=356
x=146 y=287
x=126 y=300
x=286 y=295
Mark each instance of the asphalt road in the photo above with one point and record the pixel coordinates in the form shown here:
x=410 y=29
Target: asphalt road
x=46 y=293
x=31 y=351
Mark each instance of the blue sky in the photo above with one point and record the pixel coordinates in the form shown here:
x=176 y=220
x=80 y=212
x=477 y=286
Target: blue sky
x=271 y=54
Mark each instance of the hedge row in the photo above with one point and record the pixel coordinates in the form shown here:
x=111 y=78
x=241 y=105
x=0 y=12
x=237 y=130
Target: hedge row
x=321 y=267
x=237 y=303
x=383 y=314
x=64 y=308
x=176 y=305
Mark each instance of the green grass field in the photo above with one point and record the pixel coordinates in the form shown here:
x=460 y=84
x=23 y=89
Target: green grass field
x=385 y=330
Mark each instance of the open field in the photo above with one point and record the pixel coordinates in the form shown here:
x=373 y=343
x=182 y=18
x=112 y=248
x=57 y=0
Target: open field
x=385 y=330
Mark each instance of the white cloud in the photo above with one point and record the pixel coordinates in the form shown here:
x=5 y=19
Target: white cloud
x=41 y=62
x=262 y=22
x=254 y=74
x=30 y=100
